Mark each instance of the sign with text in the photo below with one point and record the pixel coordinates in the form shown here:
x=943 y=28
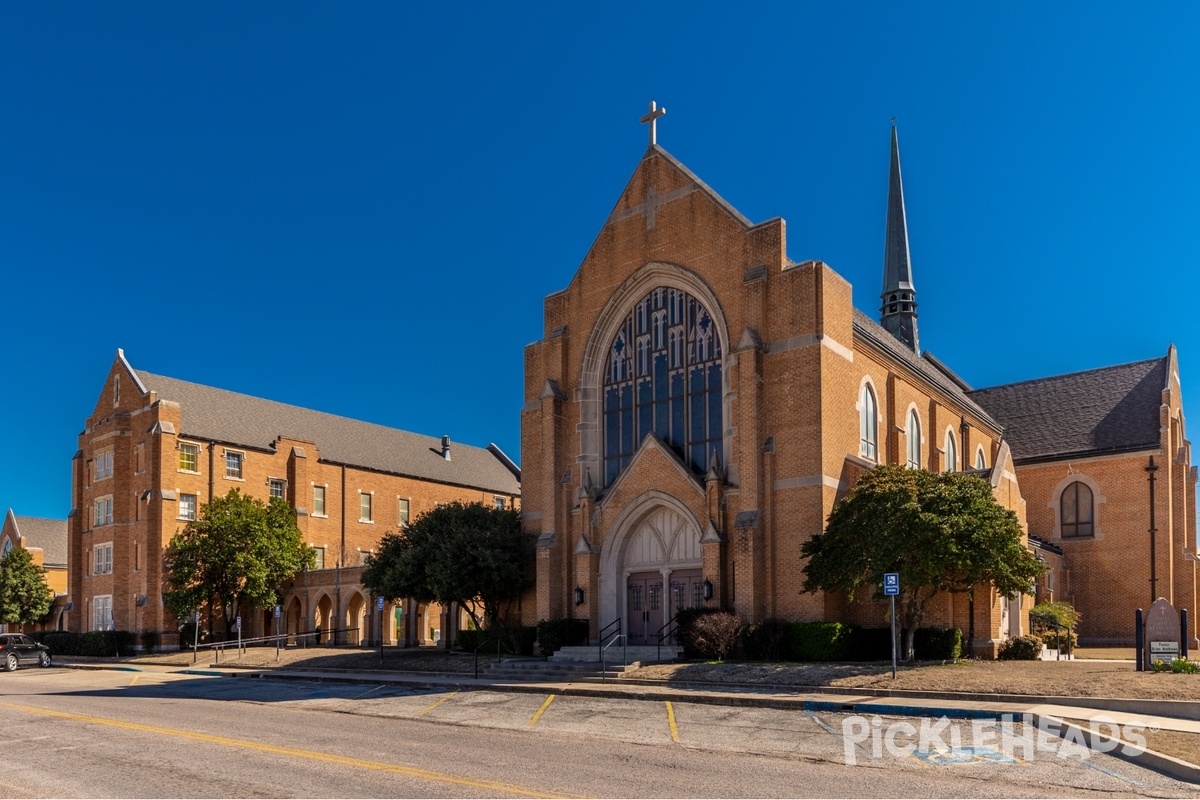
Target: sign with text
x=891 y=584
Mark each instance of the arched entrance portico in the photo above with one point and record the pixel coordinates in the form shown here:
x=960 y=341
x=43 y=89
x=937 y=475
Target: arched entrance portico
x=651 y=566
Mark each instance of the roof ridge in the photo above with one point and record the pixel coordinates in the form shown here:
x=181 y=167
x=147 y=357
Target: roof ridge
x=1069 y=374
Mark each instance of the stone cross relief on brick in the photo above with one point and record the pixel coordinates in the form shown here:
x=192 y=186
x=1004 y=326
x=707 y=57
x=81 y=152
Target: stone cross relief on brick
x=654 y=201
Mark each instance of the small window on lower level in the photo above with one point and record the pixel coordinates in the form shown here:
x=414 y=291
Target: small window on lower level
x=278 y=487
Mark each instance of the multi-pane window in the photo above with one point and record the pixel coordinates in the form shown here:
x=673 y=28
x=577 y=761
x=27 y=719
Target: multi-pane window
x=498 y=501
x=187 y=506
x=104 y=464
x=868 y=425
x=189 y=457
x=319 y=552
x=103 y=559
x=663 y=376
x=951 y=452
x=319 y=501
x=277 y=487
x=403 y=512
x=103 y=511
x=1076 y=511
x=102 y=619
x=364 y=507
x=233 y=464
x=913 y=434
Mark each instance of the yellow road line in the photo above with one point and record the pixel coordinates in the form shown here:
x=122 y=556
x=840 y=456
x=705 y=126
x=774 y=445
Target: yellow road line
x=671 y=722
x=311 y=755
x=437 y=703
x=135 y=679
x=542 y=710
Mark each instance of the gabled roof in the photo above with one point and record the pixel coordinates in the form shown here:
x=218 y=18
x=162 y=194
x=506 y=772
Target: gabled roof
x=870 y=329
x=48 y=534
x=238 y=419
x=1106 y=410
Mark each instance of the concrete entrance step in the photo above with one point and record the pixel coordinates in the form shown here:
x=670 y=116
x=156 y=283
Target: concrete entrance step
x=539 y=671
x=646 y=654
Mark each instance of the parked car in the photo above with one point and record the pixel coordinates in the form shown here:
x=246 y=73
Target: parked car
x=17 y=649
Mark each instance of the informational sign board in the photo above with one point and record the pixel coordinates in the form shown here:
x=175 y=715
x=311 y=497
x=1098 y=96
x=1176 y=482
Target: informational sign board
x=379 y=604
x=238 y=623
x=277 y=610
x=891 y=584
x=1164 y=651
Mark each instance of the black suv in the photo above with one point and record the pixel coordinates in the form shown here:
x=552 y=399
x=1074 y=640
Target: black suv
x=17 y=649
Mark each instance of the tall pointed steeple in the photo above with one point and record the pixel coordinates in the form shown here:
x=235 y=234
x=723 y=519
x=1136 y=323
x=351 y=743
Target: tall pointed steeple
x=898 y=312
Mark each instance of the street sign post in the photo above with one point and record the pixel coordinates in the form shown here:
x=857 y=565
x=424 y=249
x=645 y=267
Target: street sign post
x=239 y=627
x=379 y=613
x=196 y=635
x=277 y=633
x=891 y=588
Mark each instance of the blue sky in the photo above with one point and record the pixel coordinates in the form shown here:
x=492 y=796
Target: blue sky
x=359 y=207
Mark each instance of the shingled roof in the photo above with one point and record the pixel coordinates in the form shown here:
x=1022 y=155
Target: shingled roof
x=1107 y=410
x=48 y=534
x=232 y=418
x=872 y=330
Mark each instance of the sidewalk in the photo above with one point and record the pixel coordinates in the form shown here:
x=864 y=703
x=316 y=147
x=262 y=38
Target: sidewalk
x=1047 y=713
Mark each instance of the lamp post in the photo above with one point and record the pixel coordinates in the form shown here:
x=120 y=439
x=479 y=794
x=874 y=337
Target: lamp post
x=1151 y=469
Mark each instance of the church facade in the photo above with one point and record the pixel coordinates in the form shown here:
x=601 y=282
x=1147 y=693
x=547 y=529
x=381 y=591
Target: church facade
x=699 y=401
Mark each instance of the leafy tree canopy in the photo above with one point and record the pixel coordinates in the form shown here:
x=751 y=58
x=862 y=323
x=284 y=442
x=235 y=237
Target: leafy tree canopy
x=943 y=532
x=233 y=556
x=25 y=597
x=469 y=553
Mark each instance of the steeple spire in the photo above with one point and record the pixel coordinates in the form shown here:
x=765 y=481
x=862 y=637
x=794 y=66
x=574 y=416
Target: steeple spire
x=898 y=312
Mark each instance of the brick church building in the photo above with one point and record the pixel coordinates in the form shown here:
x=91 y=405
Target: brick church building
x=155 y=449
x=699 y=401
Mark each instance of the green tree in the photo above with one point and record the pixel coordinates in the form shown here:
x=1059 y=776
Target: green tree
x=471 y=554
x=25 y=597
x=233 y=556
x=943 y=532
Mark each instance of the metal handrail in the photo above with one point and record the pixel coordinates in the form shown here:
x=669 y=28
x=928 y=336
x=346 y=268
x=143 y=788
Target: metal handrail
x=486 y=641
x=1052 y=622
x=604 y=632
x=218 y=648
x=624 y=654
x=671 y=627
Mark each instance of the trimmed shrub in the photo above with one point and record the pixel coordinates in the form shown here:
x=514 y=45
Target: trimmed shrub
x=470 y=639
x=1021 y=648
x=1058 y=640
x=714 y=635
x=519 y=640
x=819 y=641
x=149 y=641
x=100 y=644
x=767 y=640
x=685 y=621
x=939 y=644
x=554 y=634
x=870 y=644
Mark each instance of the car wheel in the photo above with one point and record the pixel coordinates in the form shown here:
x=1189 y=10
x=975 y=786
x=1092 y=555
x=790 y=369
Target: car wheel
x=45 y=659
x=11 y=662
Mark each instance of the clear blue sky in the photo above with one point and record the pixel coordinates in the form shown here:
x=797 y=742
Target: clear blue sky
x=358 y=207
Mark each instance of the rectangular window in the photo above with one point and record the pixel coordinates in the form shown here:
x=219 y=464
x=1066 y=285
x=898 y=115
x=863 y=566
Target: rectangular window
x=364 y=507
x=320 y=560
x=139 y=458
x=362 y=557
x=403 y=514
x=318 y=501
x=233 y=464
x=189 y=457
x=104 y=464
x=103 y=563
x=104 y=511
x=278 y=488
x=499 y=501
x=102 y=613
x=187 y=506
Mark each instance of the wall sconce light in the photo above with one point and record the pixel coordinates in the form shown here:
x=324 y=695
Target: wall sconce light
x=579 y=596
x=708 y=589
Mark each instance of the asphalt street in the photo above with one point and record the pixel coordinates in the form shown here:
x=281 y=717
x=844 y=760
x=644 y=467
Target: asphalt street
x=108 y=733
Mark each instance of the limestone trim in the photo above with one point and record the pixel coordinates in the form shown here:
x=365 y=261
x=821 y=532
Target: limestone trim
x=652 y=442
x=650 y=276
x=808 y=340
x=810 y=480
x=1098 y=500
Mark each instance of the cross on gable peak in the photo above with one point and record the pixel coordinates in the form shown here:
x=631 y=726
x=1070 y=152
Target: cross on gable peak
x=652 y=119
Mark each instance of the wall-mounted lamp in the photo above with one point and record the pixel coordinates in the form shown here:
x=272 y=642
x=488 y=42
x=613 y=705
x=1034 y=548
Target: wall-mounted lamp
x=579 y=595
x=708 y=589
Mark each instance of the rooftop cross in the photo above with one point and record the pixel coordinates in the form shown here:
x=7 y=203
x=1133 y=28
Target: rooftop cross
x=652 y=117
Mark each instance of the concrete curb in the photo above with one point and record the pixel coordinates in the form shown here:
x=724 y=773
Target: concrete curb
x=1148 y=759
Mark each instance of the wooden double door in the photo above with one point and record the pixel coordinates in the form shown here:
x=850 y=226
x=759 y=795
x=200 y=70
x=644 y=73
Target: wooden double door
x=651 y=601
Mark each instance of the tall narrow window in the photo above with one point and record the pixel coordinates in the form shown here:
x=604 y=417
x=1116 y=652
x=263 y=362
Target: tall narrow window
x=233 y=464
x=913 y=434
x=980 y=463
x=318 y=501
x=104 y=511
x=364 y=507
x=868 y=424
x=187 y=506
x=104 y=464
x=403 y=511
x=951 y=453
x=1076 y=510
x=663 y=376
x=319 y=553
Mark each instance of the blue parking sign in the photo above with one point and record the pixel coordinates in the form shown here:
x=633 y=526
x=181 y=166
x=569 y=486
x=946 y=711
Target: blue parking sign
x=891 y=584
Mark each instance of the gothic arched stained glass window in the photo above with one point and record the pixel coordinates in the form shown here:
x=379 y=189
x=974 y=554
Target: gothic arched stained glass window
x=663 y=376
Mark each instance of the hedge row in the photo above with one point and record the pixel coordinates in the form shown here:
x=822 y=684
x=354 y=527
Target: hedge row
x=780 y=640
x=517 y=640
x=91 y=643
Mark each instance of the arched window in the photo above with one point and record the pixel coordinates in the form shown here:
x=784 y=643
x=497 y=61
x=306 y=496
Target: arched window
x=1076 y=510
x=913 y=434
x=980 y=463
x=663 y=376
x=951 y=453
x=7 y=548
x=868 y=424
